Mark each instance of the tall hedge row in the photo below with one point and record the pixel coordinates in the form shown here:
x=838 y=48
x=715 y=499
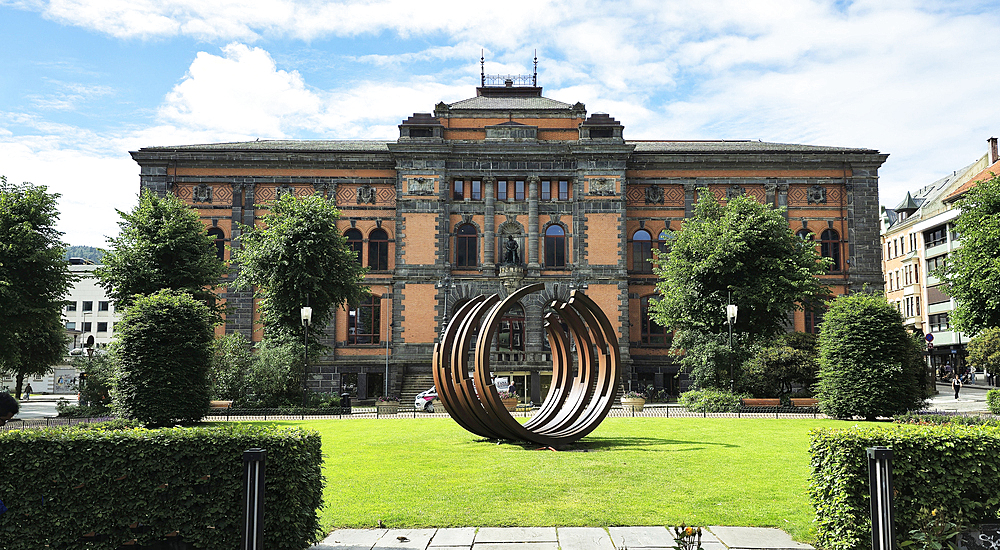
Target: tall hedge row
x=951 y=468
x=65 y=487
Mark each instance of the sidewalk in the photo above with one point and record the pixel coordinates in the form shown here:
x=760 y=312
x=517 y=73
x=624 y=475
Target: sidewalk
x=553 y=538
x=971 y=399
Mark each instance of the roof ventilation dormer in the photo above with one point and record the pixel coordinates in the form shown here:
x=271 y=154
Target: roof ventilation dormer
x=603 y=127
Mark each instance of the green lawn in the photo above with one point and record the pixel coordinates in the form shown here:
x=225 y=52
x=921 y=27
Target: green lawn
x=429 y=472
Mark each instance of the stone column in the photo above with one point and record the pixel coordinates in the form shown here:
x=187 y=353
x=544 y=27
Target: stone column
x=489 y=237
x=532 y=243
x=689 y=189
x=783 y=197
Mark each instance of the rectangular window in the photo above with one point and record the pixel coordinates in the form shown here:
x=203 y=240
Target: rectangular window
x=936 y=262
x=564 y=190
x=103 y=306
x=546 y=191
x=102 y=327
x=87 y=326
x=477 y=190
x=938 y=322
x=458 y=190
x=88 y=306
x=936 y=236
x=71 y=306
x=519 y=190
x=364 y=322
x=501 y=190
x=70 y=326
x=918 y=306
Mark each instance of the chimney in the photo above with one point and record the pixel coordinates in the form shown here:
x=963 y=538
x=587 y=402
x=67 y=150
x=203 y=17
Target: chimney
x=994 y=155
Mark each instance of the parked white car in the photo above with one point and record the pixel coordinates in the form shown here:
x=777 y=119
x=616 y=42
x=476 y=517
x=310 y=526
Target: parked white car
x=425 y=400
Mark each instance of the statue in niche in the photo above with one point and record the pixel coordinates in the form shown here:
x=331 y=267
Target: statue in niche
x=366 y=194
x=816 y=195
x=510 y=255
x=654 y=194
x=202 y=193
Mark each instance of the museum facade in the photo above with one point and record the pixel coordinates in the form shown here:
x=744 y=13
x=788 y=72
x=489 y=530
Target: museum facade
x=505 y=189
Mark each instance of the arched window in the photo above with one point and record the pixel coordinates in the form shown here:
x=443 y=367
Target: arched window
x=378 y=250
x=364 y=321
x=652 y=333
x=804 y=234
x=555 y=246
x=510 y=336
x=466 y=246
x=829 y=247
x=220 y=242
x=642 y=251
x=354 y=242
x=664 y=239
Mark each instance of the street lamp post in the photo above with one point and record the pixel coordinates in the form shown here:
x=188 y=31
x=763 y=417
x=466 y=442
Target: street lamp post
x=731 y=311
x=306 y=314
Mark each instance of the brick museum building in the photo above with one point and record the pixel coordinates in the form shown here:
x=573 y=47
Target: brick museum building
x=504 y=189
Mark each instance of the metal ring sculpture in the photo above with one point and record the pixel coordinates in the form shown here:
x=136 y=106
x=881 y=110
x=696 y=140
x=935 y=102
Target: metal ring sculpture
x=574 y=406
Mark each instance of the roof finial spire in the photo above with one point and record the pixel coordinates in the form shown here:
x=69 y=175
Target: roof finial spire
x=534 y=77
x=482 y=67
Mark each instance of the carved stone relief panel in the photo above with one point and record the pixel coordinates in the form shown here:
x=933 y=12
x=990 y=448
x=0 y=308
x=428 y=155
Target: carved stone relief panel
x=654 y=194
x=282 y=190
x=202 y=193
x=816 y=195
x=602 y=187
x=420 y=186
x=366 y=194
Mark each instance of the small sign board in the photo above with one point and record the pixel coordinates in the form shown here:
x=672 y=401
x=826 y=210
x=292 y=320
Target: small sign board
x=981 y=537
x=929 y=337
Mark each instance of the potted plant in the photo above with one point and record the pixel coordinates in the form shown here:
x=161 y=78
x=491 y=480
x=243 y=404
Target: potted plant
x=633 y=401
x=509 y=400
x=387 y=404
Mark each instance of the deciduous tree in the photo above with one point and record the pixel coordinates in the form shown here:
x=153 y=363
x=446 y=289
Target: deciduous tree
x=972 y=273
x=298 y=257
x=984 y=351
x=162 y=244
x=34 y=278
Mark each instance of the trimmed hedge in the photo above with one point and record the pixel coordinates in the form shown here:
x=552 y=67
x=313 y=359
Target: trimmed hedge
x=950 y=468
x=993 y=401
x=62 y=484
x=713 y=401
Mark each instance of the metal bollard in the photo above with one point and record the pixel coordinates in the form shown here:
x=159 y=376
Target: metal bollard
x=882 y=507
x=253 y=483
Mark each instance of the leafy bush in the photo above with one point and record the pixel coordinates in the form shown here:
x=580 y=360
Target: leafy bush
x=707 y=358
x=984 y=351
x=713 y=401
x=935 y=467
x=945 y=418
x=95 y=388
x=773 y=370
x=993 y=401
x=62 y=483
x=163 y=352
x=267 y=376
x=870 y=366
x=68 y=410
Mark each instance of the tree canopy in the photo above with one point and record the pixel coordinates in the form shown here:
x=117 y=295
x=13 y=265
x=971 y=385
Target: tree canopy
x=984 y=351
x=298 y=257
x=870 y=366
x=162 y=244
x=972 y=273
x=744 y=248
x=34 y=278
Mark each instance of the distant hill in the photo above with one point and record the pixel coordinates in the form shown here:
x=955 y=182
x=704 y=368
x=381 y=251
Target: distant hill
x=91 y=253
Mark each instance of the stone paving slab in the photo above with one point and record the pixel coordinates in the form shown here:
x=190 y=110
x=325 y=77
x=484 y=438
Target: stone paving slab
x=641 y=537
x=756 y=538
x=516 y=534
x=455 y=536
x=405 y=539
x=584 y=538
x=352 y=539
x=518 y=546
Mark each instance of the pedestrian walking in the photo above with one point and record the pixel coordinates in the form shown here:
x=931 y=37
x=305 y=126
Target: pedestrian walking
x=27 y=391
x=956 y=384
x=972 y=374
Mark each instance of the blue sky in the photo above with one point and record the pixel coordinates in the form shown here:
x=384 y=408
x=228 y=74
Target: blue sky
x=84 y=82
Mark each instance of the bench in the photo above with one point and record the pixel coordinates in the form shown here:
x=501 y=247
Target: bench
x=747 y=403
x=219 y=404
x=804 y=402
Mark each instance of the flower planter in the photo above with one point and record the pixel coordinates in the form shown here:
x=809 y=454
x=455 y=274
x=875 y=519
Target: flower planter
x=387 y=407
x=510 y=404
x=633 y=404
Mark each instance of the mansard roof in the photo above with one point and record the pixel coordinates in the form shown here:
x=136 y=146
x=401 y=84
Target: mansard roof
x=492 y=103
x=736 y=146
x=281 y=145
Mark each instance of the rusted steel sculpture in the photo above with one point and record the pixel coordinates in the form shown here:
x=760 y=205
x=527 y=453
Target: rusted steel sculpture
x=574 y=406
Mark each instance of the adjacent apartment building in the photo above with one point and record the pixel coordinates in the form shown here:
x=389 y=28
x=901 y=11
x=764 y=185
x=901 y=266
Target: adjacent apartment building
x=917 y=237
x=507 y=188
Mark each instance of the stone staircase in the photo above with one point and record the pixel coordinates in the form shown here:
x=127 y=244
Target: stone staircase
x=412 y=385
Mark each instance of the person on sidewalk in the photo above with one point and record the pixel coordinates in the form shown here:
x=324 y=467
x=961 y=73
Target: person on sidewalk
x=956 y=384
x=8 y=407
x=27 y=392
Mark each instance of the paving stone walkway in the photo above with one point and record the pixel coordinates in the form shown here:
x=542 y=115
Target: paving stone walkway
x=553 y=538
